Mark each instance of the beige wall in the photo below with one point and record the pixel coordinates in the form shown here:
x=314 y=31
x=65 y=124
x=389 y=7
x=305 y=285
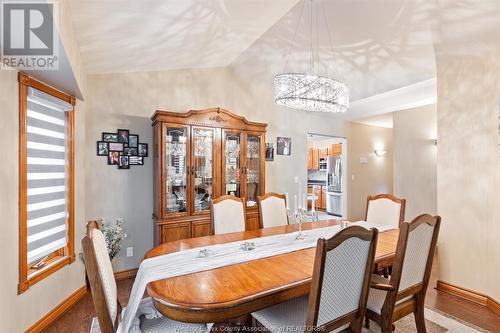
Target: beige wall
x=469 y=168
x=415 y=166
x=373 y=177
x=21 y=311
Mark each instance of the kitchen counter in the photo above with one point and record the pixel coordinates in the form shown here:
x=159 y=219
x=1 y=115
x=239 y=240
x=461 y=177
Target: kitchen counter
x=316 y=182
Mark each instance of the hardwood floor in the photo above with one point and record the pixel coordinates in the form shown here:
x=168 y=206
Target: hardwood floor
x=78 y=318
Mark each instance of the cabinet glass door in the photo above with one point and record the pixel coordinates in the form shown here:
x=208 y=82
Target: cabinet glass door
x=202 y=167
x=232 y=163
x=176 y=165
x=252 y=170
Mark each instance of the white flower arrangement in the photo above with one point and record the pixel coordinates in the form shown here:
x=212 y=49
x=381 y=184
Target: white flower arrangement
x=114 y=235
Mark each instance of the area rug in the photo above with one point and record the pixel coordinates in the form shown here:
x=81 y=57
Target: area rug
x=436 y=322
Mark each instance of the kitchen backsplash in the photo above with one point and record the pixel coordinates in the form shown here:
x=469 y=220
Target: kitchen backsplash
x=318 y=175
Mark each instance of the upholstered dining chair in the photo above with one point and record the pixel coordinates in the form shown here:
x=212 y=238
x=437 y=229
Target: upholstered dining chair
x=403 y=292
x=228 y=214
x=385 y=209
x=339 y=287
x=104 y=291
x=272 y=210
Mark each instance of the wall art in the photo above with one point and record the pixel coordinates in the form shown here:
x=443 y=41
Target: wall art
x=122 y=149
x=284 y=146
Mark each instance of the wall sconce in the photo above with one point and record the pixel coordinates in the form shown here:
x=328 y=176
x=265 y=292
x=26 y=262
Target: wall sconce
x=380 y=152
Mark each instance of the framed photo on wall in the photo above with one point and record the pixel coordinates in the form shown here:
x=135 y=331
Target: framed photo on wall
x=284 y=146
x=136 y=160
x=102 y=148
x=269 y=152
x=115 y=146
x=109 y=137
x=124 y=162
x=123 y=135
x=133 y=140
x=113 y=157
x=143 y=149
x=122 y=148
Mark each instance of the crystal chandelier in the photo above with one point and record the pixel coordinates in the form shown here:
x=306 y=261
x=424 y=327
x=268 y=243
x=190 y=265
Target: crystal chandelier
x=309 y=91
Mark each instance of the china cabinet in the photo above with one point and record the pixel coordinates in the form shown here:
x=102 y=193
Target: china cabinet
x=198 y=156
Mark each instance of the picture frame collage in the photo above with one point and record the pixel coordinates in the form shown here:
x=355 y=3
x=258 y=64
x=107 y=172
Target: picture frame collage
x=122 y=148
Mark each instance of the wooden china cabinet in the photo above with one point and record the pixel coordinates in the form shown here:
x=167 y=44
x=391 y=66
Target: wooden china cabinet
x=198 y=156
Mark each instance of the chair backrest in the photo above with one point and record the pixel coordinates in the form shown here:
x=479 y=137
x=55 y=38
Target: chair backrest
x=385 y=209
x=272 y=210
x=101 y=278
x=228 y=214
x=341 y=279
x=414 y=255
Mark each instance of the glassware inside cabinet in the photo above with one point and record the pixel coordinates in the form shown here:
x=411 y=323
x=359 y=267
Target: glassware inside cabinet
x=203 y=140
x=176 y=141
x=253 y=169
x=233 y=165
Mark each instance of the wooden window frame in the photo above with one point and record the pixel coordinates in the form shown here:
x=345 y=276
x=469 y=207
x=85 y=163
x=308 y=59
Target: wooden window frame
x=58 y=259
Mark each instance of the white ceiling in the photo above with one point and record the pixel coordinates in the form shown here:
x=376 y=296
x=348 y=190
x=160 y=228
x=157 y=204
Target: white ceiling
x=148 y=35
x=384 y=50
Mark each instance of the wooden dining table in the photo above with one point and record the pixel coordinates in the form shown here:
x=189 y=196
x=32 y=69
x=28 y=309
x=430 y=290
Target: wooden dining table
x=220 y=294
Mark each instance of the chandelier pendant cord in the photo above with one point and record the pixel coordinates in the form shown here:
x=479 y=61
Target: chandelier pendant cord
x=310 y=90
x=287 y=55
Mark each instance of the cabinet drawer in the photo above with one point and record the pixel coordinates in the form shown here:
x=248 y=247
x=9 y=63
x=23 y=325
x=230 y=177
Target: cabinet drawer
x=175 y=231
x=200 y=229
x=253 y=221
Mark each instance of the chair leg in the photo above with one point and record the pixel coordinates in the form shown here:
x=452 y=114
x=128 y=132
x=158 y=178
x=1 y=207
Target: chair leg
x=386 y=327
x=386 y=272
x=419 y=314
x=367 y=322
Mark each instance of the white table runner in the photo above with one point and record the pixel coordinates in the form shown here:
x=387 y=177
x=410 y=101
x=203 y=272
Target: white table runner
x=188 y=261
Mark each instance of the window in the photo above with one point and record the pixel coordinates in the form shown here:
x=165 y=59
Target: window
x=46 y=221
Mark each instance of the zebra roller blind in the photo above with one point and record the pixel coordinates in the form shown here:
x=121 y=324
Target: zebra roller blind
x=47 y=174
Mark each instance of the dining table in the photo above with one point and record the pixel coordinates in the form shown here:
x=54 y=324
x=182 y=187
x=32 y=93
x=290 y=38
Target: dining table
x=233 y=291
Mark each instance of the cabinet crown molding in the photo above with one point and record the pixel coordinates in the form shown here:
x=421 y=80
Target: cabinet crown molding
x=212 y=117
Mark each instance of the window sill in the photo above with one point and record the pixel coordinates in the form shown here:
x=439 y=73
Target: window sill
x=51 y=266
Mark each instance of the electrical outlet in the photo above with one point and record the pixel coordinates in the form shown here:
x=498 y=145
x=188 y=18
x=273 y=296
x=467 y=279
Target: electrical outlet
x=130 y=251
x=296 y=179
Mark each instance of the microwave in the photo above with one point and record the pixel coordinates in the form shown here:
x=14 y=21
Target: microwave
x=322 y=163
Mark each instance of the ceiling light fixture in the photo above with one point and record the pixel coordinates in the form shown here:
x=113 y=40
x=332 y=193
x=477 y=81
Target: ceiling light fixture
x=311 y=91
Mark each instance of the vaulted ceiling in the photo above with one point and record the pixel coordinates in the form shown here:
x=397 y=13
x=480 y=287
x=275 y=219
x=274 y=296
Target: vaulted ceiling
x=147 y=35
x=374 y=46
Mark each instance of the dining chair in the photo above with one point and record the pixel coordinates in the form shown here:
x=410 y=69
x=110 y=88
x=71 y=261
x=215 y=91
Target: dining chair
x=228 y=214
x=272 y=210
x=403 y=292
x=104 y=290
x=339 y=287
x=385 y=209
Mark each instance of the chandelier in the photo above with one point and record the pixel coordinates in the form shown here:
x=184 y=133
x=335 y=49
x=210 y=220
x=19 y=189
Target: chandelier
x=311 y=91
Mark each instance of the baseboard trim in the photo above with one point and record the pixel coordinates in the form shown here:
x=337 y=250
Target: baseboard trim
x=58 y=311
x=128 y=274
x=470 y=295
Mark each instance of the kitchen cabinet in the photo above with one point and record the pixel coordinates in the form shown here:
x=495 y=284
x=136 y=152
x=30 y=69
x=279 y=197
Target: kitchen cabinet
x=323 y=197
x=336 y=149
x=198 y=156
x=323 y=152
x=315 y=159
x=310 y=158
x=318 y=194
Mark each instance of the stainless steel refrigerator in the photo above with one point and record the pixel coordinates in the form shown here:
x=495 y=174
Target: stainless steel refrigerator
x=334 y=185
